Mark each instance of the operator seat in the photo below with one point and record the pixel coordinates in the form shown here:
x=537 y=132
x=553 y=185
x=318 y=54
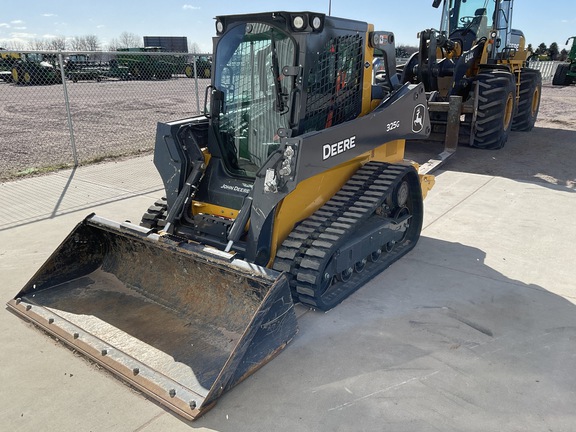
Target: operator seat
x=475 y=30
x=480 y=23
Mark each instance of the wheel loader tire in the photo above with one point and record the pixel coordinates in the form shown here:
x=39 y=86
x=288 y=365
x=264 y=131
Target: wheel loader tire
x=16 y=76
x=496 y=91
x=529 y=101
x=561 y=77
x=189 y=71
x=29 y=79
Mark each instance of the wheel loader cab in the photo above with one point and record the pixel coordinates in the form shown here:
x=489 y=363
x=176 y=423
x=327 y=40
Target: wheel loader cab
x=466 y=22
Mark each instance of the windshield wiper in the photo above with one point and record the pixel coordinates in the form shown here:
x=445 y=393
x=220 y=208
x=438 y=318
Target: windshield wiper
x=280 y=105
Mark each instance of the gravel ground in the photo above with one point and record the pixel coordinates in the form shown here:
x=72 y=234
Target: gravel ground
x=113 y=118
x=109 y=118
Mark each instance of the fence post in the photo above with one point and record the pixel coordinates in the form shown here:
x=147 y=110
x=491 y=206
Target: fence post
x=194 y=60
x=67 y=104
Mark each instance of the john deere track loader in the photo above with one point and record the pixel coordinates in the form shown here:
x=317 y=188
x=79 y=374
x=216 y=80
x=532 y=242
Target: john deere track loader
x=291 y=188
x=475 y=75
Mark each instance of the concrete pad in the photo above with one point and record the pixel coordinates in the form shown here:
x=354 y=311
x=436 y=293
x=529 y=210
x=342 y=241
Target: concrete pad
x=526 y=230
x=46 y=386
x=85 y=188
x=474 y=330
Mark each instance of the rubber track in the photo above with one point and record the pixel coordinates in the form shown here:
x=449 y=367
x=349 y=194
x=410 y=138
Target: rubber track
x=308 y=249
x=155 y=217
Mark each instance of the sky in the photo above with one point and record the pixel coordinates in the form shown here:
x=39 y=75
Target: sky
x=540 y=22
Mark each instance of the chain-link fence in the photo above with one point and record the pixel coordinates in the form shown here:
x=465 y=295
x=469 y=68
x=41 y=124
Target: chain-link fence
x=71 y=108
x=64 y=109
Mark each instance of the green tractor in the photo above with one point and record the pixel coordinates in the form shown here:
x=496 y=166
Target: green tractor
x=143 y=65
x=566 y=72
x=201 y=66
x=36 y=68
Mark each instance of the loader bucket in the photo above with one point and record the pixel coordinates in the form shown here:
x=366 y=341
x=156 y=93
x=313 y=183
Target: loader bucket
x=176 y=321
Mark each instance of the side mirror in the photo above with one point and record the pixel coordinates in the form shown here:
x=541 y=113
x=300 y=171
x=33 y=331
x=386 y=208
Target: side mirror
x=436 y=3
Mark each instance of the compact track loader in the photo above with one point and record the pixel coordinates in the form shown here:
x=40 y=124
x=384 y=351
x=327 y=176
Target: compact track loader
x=291 y=188
x=474 y=70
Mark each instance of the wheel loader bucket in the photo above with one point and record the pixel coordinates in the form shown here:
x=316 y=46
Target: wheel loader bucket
x=176 y=321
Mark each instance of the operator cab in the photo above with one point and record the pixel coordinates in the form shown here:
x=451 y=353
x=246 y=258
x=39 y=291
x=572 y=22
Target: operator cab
x=467 y=21
x=252 y=94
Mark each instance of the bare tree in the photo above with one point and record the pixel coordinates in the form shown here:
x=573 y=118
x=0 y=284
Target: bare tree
x=37 y=45
x=57 y=43
x=85 y=43
x=92 y=42
x=113 y=45
x=15 y=46
x=77 y=43
x=129 y=40
x=193 y=48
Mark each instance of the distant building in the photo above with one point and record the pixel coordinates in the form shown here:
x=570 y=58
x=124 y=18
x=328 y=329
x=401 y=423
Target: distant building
x=168 y=43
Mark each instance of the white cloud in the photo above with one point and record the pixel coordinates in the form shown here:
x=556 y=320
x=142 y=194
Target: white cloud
x=22 y=35
x=20 y=28
x=4 y=25
x=49 y=36
x=190 y=7
x=49 y=15
x=101 y=26
x=17 y=22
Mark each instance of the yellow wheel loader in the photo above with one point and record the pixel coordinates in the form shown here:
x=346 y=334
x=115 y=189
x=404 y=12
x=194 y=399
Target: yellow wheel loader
x=292 y=187
x=474 y=71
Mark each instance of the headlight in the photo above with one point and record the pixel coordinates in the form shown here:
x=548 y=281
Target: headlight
x=298 y=22
x=316 y=23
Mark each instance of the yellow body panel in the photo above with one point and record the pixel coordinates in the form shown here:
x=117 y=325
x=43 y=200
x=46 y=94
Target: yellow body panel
x=367 y=105
x=215 y=210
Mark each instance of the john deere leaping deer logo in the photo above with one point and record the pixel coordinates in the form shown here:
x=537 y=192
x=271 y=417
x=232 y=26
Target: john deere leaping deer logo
x=418 y=118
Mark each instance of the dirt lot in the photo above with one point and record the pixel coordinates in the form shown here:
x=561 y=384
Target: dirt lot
x=109 y=118
x=545 y=154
